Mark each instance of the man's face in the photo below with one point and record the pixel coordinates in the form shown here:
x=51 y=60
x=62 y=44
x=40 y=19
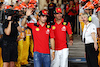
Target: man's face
x=96 y=6
x=58 y=16
x=86 y=11
x=84 y=18
x=24 y=9
x=83 y=3
x=43 y=19
x=75 y=1
x=71 y=2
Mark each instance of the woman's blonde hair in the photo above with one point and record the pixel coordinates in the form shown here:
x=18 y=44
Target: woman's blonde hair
x=84 y=14
x=88 y=16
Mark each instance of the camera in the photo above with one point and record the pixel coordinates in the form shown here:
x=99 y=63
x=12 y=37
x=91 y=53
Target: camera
x=14 y=13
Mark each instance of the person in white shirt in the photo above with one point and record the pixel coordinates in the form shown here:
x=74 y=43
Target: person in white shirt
x=89 y=38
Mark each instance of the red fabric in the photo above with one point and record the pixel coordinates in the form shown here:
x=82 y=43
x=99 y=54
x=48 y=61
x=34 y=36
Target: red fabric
x=77 y=7
x=41 y=37
x=60 y=34
x=70 y=12
x=58 y=10
x=47 y=1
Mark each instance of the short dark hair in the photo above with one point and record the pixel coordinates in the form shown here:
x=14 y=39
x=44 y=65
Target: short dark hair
x=52 y=0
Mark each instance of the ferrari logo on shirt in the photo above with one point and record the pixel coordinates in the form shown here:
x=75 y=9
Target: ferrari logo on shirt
x=45 y=12
x=63 y=28
x=53 y=27
x=37 y=29
x=58 y=9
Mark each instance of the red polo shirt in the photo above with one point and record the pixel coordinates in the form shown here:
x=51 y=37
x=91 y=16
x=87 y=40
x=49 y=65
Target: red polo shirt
x=41 y=37
x=60 y=34
x=70 y=12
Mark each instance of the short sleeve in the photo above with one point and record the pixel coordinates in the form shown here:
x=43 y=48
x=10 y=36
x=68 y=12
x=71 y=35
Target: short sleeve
x=93 y=28
x=67 y=7
x=30 y=25
x=69 y=29
x=51 y=33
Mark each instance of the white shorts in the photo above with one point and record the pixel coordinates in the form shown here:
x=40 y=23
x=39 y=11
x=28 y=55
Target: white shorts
x=61 y=58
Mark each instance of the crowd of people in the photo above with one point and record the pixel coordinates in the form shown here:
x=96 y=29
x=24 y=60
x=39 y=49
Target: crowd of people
x=23 y=27
x=27 y=32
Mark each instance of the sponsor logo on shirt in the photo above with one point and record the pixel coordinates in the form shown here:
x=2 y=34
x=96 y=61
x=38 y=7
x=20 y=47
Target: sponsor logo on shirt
x=53 y=27
x=37 y=29
x=63 y=28
x=48 y=31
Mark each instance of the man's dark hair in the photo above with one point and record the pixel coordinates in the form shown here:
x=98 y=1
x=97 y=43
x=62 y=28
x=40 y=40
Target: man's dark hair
x=52 y=0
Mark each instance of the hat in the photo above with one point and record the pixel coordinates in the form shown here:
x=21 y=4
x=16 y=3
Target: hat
x=57 y=10
x=95 y=2
x=83 y=0
x=17 y=8
x=33 y=1
x=31 y=5
x=7 y=7
x=43 y=12
x=23 y=5
x=98 y=9
x=89 y=5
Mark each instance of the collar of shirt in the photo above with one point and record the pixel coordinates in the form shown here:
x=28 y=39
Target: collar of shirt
x=40 y=25
x=61 y=20
x=87 y=25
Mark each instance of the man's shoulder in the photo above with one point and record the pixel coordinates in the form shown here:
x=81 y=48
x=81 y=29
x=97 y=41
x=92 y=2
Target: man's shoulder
x=92 y=25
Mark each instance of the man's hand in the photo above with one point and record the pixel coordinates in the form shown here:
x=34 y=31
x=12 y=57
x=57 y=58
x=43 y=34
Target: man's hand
x=71 y=42
x=9 y=18
x=29 y=12
x=70 y=7
x=53 y=56
x=95 y=46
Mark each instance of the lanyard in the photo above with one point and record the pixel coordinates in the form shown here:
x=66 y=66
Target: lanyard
x=86 y=30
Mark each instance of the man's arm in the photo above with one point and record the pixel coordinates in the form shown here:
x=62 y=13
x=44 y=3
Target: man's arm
x=8 y=29
x=95 y=41
x=69 y=30
x=52 y=41
x=68 y=9
x=71 y=39
x=24 y=21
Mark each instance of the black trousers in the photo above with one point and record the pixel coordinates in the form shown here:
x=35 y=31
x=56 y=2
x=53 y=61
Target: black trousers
x=9 y=51
x=91 y=55
x=71 y=19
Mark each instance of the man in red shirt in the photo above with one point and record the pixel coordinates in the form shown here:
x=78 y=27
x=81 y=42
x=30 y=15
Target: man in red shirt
x=61 y=49
x=71 y=10
x=41 y=32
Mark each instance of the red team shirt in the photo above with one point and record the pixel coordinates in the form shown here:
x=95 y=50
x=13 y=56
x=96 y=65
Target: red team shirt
x=60 y=34
x=70 y=12
x=41 y=37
